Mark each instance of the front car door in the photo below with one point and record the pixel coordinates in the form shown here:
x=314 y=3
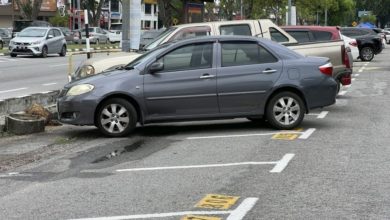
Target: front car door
x=186 y=87
x=248 y=71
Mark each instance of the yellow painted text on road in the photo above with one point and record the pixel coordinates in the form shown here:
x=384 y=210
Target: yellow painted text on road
x=193 y=217
x=214 y=201
x=287 y=135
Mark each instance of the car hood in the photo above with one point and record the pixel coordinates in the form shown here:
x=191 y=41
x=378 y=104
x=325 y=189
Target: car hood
x=27 y=39
x=101 y=79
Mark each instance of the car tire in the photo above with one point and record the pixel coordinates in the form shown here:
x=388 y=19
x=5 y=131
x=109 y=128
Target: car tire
x=13 y=55
x=44 y=52
x=63 y=51
x=285 y=110
x=1 y=45
x=338 y=86
x=116 y=117
x=366 y=54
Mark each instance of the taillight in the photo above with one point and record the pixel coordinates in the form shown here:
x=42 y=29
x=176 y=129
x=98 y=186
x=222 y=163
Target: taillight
x=346 y=58
x=353 y=43
x=326 y=69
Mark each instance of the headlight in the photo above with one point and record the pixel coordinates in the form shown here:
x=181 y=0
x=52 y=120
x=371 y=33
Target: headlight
x=11 y=43
x=86 y=71
x=79 y=89
x=36 y=42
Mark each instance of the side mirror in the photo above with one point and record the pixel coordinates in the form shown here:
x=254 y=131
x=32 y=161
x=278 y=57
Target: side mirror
x=50 y=36
x=156 y=66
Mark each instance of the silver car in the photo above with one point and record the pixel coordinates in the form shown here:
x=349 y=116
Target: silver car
x=96 y=36
x=204 y=78
x=38 y=41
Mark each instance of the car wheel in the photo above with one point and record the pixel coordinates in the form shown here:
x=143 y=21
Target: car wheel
x=285 y=110
x=1 y=45
x=338 y=86
x=63 y=51
x=116 y=117
x=366 y=54
x=13 y=55
x=44 y=52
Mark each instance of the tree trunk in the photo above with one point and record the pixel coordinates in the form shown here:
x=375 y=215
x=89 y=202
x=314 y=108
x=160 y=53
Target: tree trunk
x=36 y=8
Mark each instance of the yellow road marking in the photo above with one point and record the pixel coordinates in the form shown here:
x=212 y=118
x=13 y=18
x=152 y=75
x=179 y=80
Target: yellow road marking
x=287 y=135
x=193 y=217
x=215 y=201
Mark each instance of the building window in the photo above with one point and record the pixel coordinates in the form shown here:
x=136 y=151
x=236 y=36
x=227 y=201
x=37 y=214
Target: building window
x=147 y=24
x=148 y=9
x=115 y=5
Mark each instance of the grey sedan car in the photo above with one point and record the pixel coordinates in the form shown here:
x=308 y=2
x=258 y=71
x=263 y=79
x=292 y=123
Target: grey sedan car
x=213 y=77
x=38 y=41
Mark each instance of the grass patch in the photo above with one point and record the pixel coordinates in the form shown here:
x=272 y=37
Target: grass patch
x=4 y=50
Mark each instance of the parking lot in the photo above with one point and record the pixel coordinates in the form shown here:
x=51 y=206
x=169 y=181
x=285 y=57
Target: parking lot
x=334 y=166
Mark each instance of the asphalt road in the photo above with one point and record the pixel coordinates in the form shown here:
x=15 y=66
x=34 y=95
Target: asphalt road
x=335 y=167
x=25 y=75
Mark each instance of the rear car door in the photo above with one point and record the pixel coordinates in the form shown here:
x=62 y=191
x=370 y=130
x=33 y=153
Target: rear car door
x=51 y=42
x=58 y=40
x=186 y=87
x=248 y=71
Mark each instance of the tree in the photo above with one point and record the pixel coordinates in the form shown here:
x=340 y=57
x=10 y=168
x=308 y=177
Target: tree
x=29 y=9
x=94 y=8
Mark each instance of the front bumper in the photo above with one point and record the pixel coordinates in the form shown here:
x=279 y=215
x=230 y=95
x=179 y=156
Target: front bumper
x=26 y=49
x=77 y=110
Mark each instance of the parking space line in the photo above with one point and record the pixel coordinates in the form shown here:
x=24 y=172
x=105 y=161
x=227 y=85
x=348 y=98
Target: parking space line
x=307 y=133
x=278 y=165
x=282 y=164
x=200 y=217
x=341 y=93
x=12 y=90
x=347 y=86
x=49 y=84
x=360 y=70
x=243 y=209
x=236 y=214
x=357 y=74
x=353 y=79
x=242 y=135
x=58 y=65
x=321 y=115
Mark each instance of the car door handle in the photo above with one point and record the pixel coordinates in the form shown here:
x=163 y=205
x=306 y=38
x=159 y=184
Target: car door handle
x=206 y=76
x=268 y=71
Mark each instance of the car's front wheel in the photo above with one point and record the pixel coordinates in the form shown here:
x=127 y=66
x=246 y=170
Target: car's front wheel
x=44 y=52
x=116 y=117
x=1 y=45
x=13 y=54
x=285 y=110
x=366 y=54
x=63 y=51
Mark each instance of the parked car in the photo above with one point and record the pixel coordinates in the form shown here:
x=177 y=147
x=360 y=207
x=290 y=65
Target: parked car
x=352 y=43
x=148 y=36
x=369 y=43
x=19 y=25
x=38 y=41
x=99 y=64
x=69 y=35
x=113 y=35
x=96 y=36
x=387 y=36
x=214 y=77
x=5 y=35
x=1 y=43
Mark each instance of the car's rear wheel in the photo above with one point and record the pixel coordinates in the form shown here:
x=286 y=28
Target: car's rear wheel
x=285 y=110
x=13 y=55
x=63 y=51
x=366 y=54
x=44 y=52
x=116 y=117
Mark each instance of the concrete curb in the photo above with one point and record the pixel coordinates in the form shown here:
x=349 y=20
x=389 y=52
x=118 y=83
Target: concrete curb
x=19 y=104
x=92 y=49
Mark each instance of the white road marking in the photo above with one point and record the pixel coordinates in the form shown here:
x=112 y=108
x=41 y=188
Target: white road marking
x=366 y=64
x=361 y=70
x=282 y=164
x=279 y=165
x=243 y=209
x=49 y=84
x=342 y=93
x=12 y=90
x=357 y=74
x=353 y=79
x=14 y=174
x=236 y=214
x=307 y=133
x=57 y=65
x=323 y=114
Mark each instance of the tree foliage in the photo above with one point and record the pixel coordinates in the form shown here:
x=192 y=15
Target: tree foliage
x=29 y=9
x=59 y=21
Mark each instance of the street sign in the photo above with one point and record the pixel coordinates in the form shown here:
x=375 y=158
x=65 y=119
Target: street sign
x=354 y=24
x=175 y=21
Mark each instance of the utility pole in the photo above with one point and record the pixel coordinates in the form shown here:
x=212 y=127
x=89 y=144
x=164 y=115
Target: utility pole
x=289 y=13
x=241 y=14
x=87 y=34
x=125 y=25
x=131 y=24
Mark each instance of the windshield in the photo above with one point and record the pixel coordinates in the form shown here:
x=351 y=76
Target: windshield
x=145 y=56
x=32 y=32
x=160 y=38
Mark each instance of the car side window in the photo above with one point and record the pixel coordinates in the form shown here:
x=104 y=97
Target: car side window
x=191 y=32
x=57 y=33
x=51 y=32
x=277 y=35
x=245 y=53
x=322 y=35
x=300 y=36
x=238 y=29
x=194 y=56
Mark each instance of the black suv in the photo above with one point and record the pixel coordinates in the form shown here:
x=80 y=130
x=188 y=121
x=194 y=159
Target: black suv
x=369 y=42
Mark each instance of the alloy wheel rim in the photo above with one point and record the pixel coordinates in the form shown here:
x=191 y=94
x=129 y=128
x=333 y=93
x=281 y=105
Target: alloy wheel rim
x=114 y=118
x=286 y=111
x=367 y=53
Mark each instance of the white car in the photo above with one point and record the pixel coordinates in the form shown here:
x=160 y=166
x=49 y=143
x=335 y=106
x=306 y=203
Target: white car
x=387 y=36
x=113 y=35
x=100 y=64
x=351 y=43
